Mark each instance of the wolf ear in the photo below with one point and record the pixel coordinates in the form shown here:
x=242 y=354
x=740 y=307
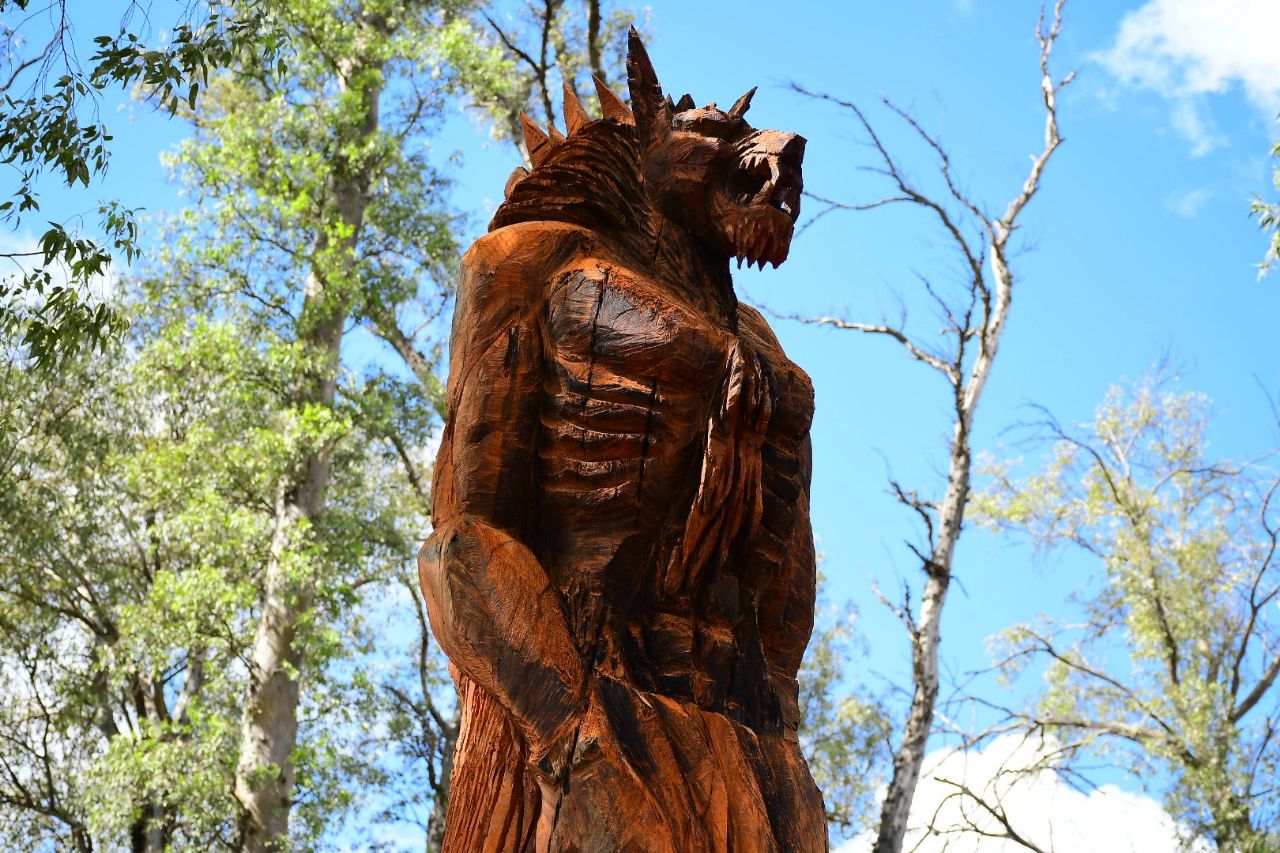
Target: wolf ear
x=653 y=116
x=740 y=106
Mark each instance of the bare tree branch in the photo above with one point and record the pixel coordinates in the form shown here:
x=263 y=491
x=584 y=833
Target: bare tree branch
x=977 y=240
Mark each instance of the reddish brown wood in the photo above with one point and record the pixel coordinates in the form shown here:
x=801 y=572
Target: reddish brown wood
x=622 y=567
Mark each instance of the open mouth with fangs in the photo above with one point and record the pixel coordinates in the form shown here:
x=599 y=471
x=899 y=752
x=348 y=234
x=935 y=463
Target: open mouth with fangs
x=760 y=234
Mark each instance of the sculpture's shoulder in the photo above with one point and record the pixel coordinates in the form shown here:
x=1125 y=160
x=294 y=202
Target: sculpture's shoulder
x=521 y=256
x=503 y=276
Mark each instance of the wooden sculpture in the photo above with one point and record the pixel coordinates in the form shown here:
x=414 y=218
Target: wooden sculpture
x=622 y=566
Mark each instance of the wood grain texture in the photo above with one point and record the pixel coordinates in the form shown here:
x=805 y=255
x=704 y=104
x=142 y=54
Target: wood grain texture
x=622 y=566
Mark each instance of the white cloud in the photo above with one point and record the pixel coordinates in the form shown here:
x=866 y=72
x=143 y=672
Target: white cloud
x=1188 y=50
x=1039 y=805
x=1190 y=117
x=1188 y=204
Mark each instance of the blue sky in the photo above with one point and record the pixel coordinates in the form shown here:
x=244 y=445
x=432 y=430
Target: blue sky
x=1139 y=244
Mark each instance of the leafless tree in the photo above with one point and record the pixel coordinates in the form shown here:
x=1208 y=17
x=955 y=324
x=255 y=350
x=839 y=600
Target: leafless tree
x=979 y=807
x=963 y=355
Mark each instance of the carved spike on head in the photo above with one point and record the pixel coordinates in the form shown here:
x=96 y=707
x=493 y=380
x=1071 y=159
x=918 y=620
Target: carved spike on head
x=535 y=141
x=611 y=105
x=556 y=136
x=740 y=106
x=685 y=103
x=575 y=117
x=653 y=117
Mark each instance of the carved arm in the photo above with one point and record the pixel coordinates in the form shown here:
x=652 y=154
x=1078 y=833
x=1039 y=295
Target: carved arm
x=491 y=606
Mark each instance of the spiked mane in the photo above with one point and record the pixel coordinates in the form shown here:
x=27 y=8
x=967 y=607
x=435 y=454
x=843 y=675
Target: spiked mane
x=592 y=178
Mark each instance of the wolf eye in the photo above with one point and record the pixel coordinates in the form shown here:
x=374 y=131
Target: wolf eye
x=747 y=181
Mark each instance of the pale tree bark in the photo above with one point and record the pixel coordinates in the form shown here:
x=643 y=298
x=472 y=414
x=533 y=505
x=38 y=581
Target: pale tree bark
x=264 y=783
x=964 y=356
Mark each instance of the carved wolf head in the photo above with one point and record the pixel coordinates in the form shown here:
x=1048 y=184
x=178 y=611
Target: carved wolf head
x=733 y=189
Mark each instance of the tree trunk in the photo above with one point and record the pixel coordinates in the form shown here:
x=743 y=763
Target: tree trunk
x=149 y=833
x=925 y=638
x=265 y=773
x=269 y=728
x=967 y=387
x=435 y=824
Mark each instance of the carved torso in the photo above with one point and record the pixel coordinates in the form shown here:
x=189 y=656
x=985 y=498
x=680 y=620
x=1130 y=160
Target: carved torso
x=636 y=380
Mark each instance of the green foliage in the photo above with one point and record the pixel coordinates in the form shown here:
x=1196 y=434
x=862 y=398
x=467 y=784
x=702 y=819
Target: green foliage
x=226 y=35
x=125 y=551
x=845 y=732
x=52 y=310
x=139 y=500
x=52 y=128
x=146 y=493
x=1173 y=669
